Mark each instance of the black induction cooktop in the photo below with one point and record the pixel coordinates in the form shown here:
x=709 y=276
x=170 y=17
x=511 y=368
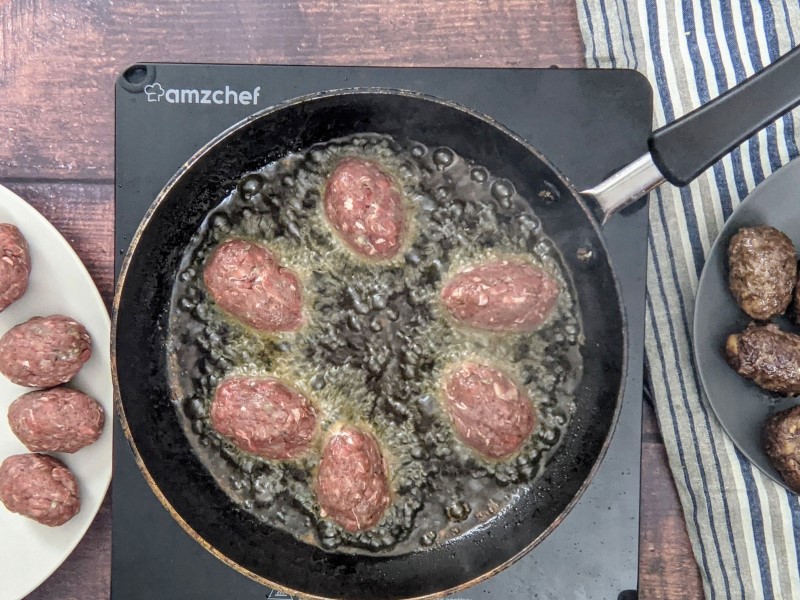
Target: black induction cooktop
x=588 y=122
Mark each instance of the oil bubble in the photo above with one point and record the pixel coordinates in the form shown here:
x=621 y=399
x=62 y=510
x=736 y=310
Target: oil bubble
x=458 y=511
x=478 y=174
x=502 y=189
x=443 y=157
x=428 y=538
x=251 y=185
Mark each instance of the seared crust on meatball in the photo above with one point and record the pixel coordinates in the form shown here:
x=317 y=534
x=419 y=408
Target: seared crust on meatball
x=490 y=414
x=502 y=295
x=39 y=487
x=352 y=484
x=264 y=417
x=44 y=351
x=781 y=438
x=768 y=356
x=365 y=207
x=762 y=271
x=246 y=281
x=15 y=265
x=58 y=419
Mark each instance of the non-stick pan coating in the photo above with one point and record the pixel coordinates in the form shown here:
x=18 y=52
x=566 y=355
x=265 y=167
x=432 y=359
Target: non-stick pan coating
x=141 y=312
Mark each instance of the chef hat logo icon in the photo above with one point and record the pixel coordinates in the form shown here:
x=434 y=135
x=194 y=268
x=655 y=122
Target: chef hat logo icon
x=154 y=92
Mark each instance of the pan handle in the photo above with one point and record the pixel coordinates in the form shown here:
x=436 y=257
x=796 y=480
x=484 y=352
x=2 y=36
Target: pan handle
x=683 y=149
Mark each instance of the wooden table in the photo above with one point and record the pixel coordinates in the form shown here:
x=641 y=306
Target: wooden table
x=58 y=63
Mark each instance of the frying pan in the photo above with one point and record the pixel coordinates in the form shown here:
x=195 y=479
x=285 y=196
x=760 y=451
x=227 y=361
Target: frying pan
x=740 y=405
x=678 y=152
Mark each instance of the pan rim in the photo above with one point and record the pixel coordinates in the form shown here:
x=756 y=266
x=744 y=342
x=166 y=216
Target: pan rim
x=333 y=93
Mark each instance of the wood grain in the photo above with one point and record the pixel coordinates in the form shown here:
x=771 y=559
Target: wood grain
x=60 y=59
x=58 y=64
x=667 y=568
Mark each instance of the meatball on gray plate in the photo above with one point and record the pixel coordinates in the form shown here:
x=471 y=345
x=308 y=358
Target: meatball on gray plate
x=782 y=444
x=762 y=271
x=740 y=402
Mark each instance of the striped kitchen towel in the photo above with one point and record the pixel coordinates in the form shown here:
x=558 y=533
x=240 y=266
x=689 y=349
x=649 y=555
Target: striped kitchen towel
x=745 y=529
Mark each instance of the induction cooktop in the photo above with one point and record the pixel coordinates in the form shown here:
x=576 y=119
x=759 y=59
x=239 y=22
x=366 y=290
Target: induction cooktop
x=588 y=122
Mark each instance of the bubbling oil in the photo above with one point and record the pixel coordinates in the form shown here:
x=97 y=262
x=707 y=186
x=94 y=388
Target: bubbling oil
x=376 y=342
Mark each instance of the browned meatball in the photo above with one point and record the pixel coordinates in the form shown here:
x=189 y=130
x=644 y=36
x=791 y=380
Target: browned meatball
x=502 y=295
x=39 y=487
x=15 y=265
x=59 y=419
x=781 y=438
x=263 y=416
x=365 y=207
x=44 y=351
x=245 y=280
x=768 y=356
x=490 y=414
x=762 y=271
x=352 y=484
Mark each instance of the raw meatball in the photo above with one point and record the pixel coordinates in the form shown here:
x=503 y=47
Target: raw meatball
x=44 y=351
x=245 y=280
x=39 y=487
x=264 y=416
x=15 y=265
x=763 y=271
x=781 y=437
x=365 y=207
x=56 y=420
x=502 y=295
x=352 y=486
x=768 y=356
x=490 y=413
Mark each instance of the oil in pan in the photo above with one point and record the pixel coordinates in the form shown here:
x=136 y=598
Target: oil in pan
x=376 y=342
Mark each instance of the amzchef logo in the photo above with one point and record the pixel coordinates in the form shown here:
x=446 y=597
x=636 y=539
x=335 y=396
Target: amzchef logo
x=156 y=93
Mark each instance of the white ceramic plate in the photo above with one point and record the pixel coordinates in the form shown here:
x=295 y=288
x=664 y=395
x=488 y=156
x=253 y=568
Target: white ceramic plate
x=59 y=284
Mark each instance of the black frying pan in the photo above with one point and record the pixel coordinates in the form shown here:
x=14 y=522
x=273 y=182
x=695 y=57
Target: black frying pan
x=140 y=313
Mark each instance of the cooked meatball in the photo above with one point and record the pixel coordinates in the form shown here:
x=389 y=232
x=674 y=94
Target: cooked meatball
x=352 y=484
x=59 y=419
x=39 y=487
x=263 y=416
x=44 y=351
x=245 y=280
x=365 y=207
x=762 y=271
x=15 y=265
x=794 y=307
x=781 y=438
x=502 y=295
x=768 y=356
x=490 y=414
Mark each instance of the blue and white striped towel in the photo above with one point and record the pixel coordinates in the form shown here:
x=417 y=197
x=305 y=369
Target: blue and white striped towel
x=745 y=529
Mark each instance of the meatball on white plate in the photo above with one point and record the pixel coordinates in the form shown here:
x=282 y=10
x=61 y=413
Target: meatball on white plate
x=58 y=285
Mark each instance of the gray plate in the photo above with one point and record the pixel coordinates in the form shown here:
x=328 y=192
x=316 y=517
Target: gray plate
x=739 y=404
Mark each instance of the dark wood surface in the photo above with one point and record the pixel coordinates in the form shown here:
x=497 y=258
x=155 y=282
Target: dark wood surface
x=58 y=62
